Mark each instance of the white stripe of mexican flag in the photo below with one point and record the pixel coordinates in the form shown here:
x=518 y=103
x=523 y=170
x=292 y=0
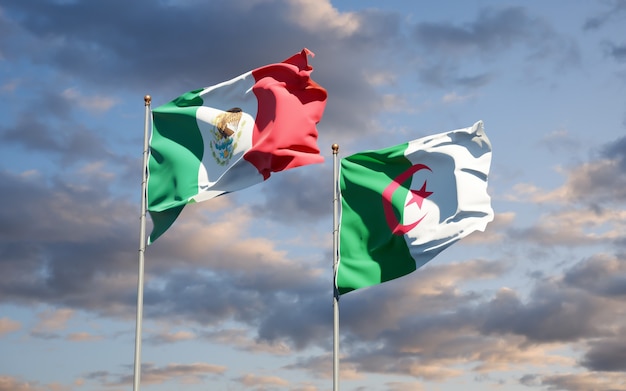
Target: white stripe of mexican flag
x=225 y=154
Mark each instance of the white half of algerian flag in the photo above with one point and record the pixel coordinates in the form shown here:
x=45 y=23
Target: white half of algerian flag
x=232 y=135
x=403 y=205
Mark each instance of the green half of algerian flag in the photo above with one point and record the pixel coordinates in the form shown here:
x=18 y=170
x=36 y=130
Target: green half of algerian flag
x=403 y=205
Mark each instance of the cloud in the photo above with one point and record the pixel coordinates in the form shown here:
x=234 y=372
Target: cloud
x=491 y=30
x=95 y=104
x=68 y=141
x=559 y=140
x=246 y=277
x=434 y=327
x=310 y=14
x=321 y=366
x=616 y=151
x=574 y=227
x=171 y=337
x=495 y=31
x=240 y=339
x=83 y=337
x=9 y=86
x=453 y=97
x=300 y=198
x=137 y=55
x=602 y=275
x=8 y=325
x=10 y=383
x=606 y=355
x=495 y=231
x=184 y=372
x=615 y=51
x=153 y=374
x=553 y=315
x=251 y=380
x=408 y=386
x=614 y=8
x=54 y=320
x=595 y=183
x=578 y=381
x=67 y=219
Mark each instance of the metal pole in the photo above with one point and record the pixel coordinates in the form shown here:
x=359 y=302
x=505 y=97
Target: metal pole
x=335 y=148
x=142 y=246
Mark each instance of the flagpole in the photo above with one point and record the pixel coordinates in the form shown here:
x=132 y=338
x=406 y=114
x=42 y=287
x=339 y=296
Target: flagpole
x=142 y=246
x=335 y=148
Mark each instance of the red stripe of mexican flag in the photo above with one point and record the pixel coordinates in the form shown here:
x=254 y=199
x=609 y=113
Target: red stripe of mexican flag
x=232 y=135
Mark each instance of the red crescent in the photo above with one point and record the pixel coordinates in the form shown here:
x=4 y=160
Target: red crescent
x=396 y=227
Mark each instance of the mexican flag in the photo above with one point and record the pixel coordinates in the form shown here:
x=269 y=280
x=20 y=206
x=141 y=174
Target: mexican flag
x=232 y=135
x=403 y=205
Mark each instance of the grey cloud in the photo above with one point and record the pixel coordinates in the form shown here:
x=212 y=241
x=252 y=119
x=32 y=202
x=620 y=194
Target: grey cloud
x=494 y=31
x=601 y=275
x=475 y=81
x=51 y=209
x=86 y=241
x=43 y=335
x=579 y=382
x=304 y=321
x=554 y=314
x=546 y=237
x=491 y=30
x=68 y=141
x=559 y=141
x=606 y=355
x=299 y=197
x=443 y=74
x=410 y=306
x=616 y=150
x=55 y=245
x=142 y=46
x=207 y=298
x=598 y=184
x=565 y=310
x=615 y=51
x=153 y=374
x=615 y=7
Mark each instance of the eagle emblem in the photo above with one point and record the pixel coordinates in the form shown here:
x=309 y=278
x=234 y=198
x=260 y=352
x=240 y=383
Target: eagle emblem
x=226 y=135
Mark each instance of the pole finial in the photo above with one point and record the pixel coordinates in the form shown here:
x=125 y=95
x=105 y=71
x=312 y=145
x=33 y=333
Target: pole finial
x=335 y=148
x=147 y=99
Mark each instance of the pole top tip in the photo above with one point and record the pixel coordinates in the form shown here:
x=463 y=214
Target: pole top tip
x=147 y=99
x=335 y=148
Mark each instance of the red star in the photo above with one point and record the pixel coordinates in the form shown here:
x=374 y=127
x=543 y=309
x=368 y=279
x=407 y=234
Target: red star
x=419 y=196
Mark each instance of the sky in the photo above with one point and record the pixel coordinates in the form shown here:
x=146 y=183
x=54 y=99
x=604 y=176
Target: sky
x=238 y=293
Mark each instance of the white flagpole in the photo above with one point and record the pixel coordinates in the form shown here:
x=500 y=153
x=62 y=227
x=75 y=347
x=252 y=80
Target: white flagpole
x=142 y=247
x=335 y=148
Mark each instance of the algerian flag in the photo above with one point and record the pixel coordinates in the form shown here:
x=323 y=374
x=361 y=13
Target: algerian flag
x=232 y=135
x=403 y=205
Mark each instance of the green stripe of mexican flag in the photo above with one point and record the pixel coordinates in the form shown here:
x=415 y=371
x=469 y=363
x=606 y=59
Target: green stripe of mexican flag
x=232 y=135
x=403 y=205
